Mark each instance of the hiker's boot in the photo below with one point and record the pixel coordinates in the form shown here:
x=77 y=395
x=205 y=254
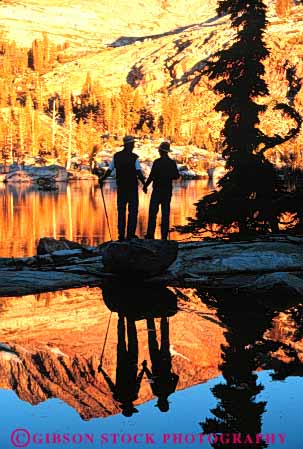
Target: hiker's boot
x=131 y=237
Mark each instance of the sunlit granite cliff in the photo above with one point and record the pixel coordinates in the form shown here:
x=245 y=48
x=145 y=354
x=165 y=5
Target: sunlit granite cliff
x=55 y=342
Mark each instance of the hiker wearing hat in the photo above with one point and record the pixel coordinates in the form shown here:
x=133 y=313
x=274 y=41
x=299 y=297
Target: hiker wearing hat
x=163 y=171
x=128 y=171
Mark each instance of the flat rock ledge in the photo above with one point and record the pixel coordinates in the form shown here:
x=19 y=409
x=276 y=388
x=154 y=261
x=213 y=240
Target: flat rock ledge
x=270 y=265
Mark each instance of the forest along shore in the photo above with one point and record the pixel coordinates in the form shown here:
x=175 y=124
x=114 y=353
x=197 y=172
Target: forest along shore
x=271 y=265
x=193 y=163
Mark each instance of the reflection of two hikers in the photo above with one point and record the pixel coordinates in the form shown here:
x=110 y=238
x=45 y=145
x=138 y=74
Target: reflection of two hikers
x=128 y=381
x=128 y=171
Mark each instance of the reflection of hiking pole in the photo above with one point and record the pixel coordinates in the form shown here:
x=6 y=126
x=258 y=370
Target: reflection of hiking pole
x=103 y=349
x=105 y=210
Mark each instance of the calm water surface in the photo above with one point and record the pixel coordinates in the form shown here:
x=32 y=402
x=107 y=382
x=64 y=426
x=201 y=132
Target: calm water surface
x=76 y=212
x=71 y=365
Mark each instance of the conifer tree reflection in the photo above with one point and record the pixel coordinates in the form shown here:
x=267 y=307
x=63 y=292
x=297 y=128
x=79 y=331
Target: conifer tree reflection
x=238 y=410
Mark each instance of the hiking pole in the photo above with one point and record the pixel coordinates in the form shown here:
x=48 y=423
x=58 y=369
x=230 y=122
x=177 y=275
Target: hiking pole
x=105 y=210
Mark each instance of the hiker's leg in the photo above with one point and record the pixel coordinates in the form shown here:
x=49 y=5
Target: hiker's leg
x=152 y=214
x=132 y=341
x=133 y=204
x=165 y=212
x=121 y=206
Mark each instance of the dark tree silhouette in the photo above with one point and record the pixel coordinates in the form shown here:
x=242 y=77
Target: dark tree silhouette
x=294 y=81
x=247 y=193
x=248 y=347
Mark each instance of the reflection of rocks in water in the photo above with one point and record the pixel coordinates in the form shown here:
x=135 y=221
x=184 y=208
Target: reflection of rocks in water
x=288 y=356
x=58 y=339
x=42 y=375
x=248 y=322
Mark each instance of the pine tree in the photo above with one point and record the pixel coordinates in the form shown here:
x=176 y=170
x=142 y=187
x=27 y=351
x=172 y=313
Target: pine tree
x=45 y=51
x=88 y=85
x=36 y=56
x=101 y=105
x=31 y=121
x=131 y=103
x=171 y=116
x=81 y=141
x=115 y=118
x=246 y=193
x=4 y=93
x=283 y=7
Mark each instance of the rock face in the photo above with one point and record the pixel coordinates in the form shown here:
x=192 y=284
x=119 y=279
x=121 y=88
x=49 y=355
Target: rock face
x=29 y=174
x=151 y=47
x=139 y=257
x=269 y=264
x=49 y=245
x=278 y=285
x=54 y=343
x=268 y=254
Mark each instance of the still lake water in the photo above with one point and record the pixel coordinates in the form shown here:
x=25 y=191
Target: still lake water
x=227 y=365
x=76 y=212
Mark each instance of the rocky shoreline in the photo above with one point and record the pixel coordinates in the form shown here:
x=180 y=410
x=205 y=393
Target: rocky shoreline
x=267 y=266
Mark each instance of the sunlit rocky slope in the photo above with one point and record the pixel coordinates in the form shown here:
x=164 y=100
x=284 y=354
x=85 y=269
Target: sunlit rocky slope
x=155 y=46
x=57 y=340
x=152 y=44
x=51 y=346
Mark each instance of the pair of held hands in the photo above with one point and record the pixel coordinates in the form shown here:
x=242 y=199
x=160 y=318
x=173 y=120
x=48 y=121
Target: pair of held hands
x=101 y=182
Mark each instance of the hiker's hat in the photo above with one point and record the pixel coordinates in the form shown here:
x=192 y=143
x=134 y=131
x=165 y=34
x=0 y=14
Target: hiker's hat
x=128 y=410
x=128 y=139
x=164 y=146
x=163 y=404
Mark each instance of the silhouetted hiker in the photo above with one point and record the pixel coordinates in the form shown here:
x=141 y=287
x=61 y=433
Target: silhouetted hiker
x=163 y=380
x=128 y=382
x=163 y=171
x=128 y=170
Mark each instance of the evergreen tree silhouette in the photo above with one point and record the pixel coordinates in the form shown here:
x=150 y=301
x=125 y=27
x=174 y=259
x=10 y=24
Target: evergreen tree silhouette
x=247 y=193
x=238 y=411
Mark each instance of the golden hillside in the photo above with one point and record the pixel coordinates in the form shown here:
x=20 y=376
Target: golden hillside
x=157 y=49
